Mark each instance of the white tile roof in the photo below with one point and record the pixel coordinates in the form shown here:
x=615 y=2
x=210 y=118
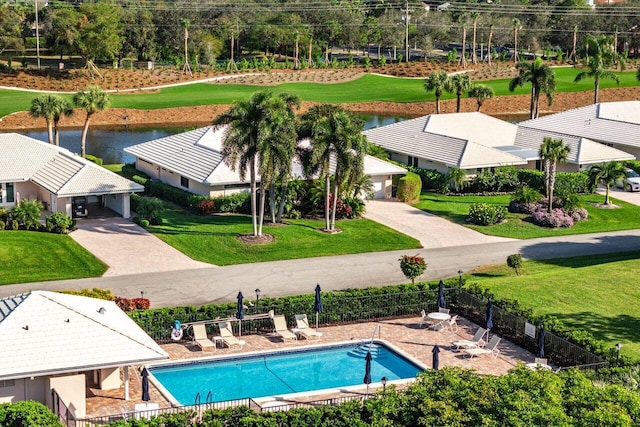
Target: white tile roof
x=610 y=122
x=583 y=151
x=464 y=140
x=197 y=155
x=47 y=333
x=56 y=169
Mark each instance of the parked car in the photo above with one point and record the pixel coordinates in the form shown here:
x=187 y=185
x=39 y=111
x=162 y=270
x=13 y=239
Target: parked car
x=631 y=182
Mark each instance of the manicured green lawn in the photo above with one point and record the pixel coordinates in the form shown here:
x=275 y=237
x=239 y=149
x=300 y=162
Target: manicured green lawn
x=367 y=88
x=456 y=209
x=29 y=256
x=212 y=239
x=598 y=294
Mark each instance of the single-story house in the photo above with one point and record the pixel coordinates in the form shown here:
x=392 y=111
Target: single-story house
x=193 y=161
x=474 y=141
x=615 y=124
x=60 y=343
x=36 y=170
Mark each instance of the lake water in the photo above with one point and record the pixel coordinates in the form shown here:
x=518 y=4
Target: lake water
x=109 y=144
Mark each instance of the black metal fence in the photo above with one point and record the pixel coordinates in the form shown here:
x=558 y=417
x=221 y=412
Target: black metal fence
x=61 y=409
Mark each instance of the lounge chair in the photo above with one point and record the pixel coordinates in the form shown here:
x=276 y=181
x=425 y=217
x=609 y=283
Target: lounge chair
x=280 y=324
x=491 y=348
x=227 y=336
x=453 y=323
x=200 y=337
x=472 y=343
x=424 y=320
x=304 y=329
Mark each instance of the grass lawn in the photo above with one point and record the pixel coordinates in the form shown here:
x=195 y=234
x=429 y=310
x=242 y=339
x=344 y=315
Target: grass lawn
x=598 y=294
x=456 y=209
x=366 y=88
x=29 y=256
x=212 y=239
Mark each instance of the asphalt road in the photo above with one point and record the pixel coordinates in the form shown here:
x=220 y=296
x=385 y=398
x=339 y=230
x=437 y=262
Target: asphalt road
x=279 y=278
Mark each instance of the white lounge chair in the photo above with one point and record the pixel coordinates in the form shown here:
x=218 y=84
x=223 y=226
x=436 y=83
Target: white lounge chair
x=280 y=325
x=200 y=337
x=476 y=341
x=304 y=329
x=424 y=319
x=453 y=323
x=491 y=348
x=226 y=333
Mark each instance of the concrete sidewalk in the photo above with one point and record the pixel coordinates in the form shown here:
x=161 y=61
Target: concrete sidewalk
x=431 y=230
x=128 y=248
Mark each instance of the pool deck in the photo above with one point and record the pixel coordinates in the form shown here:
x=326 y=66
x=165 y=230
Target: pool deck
x=405 y=334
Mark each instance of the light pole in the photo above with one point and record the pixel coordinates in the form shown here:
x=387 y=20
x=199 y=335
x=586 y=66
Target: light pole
x=618 y=347
x=460 y=277
x=257 y=291
x=141 y=294
x=383 y=380
x=37 y=35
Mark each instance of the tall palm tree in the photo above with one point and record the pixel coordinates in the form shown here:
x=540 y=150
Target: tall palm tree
x=45 y=106
x=516 y=27
x=92 y=100
x=459 y=84
x=474 y=17
x=481 y=93
x=601 y=57
x=542 y=79
x=336 y=137
x=436 y=82
x=551 y=152
x=251 y=142
x=63 y=108
x=607 y=174
x=489 y=53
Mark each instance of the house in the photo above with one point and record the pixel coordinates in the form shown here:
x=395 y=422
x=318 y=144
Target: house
x=36 y=170
x=55 y=344
x=615 y=124
x=474 y=141
x=194 y=161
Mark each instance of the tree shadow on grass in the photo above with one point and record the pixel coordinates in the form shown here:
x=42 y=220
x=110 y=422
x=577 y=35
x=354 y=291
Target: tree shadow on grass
x=611 y=328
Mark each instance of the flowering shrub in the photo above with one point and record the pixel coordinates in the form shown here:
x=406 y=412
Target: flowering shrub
x=557 y=218
x=525 y=208
x=127 y=304
x=412 y=266
x=579 y=214
x=206 y=207
x=141 y=303
x=484 y=214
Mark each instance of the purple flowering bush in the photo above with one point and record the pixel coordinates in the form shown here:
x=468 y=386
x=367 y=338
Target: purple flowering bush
x=559 y=218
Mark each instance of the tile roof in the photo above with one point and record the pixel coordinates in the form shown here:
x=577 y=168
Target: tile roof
x=606 y=122
x=56 y=169
x=464 y=140
x=197 y=155
x=48 y=333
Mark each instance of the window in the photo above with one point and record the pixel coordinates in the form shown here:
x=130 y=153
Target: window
x=184 y=182
x=412 y=161
x=7 y=383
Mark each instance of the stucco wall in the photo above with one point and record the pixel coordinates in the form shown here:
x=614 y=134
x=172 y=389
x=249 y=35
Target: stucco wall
x=72 y=391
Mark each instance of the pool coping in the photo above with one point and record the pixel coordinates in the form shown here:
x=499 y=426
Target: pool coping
x=283 y=397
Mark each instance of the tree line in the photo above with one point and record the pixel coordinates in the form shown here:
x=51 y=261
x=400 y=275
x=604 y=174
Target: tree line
x=155 y=30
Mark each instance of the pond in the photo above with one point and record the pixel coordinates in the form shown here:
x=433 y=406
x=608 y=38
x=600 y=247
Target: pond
x=109 y=144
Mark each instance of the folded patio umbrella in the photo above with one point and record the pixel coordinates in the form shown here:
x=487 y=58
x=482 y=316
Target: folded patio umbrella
x=489 y=315
x=240 y=313
x=145 y=385
x=435 y=362
x=317 y=306
x=367 y=370
x=441 y=302
x=540 y=352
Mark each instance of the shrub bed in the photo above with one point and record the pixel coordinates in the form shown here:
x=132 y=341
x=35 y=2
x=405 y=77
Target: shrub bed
x=484 y=214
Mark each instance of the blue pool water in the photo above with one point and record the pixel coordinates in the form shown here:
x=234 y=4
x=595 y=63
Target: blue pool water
x=280 y=373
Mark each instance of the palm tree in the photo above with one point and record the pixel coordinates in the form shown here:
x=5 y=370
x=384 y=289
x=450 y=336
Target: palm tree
x=251 y=142
x=45 y=106
x=458 y=83
x=474 y=17
x=542 y=79
x=63 y=108
x=601 y=57
x=457 y=179
x=92 y=100
x=607 y=174
x=551 y=152
x=336 y=137
x=436 y=82
x=481 y=93
x=489 y=43
x=516 y=27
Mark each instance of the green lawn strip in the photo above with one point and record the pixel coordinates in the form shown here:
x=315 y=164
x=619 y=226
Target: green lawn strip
x=114 y=167
x=212 y=239
x=518 y=226
x=598 y=294
x=367 y=88
x=29 y=256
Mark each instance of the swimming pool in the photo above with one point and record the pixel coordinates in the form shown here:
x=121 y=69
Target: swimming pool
x=278 y=373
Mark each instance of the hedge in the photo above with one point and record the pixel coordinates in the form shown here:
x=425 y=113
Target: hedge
x=409 y=187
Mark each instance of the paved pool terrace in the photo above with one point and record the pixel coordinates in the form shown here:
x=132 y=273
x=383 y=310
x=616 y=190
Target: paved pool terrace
x=405 y=333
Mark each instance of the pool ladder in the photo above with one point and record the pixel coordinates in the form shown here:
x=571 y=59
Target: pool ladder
x=208 y=401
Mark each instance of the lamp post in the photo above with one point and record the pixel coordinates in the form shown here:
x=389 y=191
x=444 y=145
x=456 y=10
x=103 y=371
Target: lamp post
x=460 y=277
x=257 y=291
x=383 y=380
x=142 y=294
x=618 y=347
